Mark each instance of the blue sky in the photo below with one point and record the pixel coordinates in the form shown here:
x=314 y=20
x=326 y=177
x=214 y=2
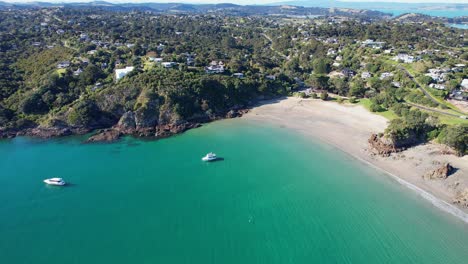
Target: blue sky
x=240 y=1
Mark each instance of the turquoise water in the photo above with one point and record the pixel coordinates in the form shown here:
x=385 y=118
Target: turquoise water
x=462 y=26
x=436 y=13
x=277 y=197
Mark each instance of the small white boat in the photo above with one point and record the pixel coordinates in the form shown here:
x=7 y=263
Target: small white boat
x=210 y=157
x=55 y=181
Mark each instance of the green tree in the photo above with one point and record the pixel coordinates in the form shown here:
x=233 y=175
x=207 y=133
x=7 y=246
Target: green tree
x=455 y=137
x=321 y=66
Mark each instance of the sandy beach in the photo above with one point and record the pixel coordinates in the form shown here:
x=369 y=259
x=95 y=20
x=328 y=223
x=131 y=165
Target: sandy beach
x=348 y=127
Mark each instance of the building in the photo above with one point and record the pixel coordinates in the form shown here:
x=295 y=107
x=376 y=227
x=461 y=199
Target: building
x=77 y=72
x=464 y=85
x=331 y=52
x=373 y=44
x=438 y=75
x=348 y=72
x=168 y=64
x=215 y=67
x=437 y=86
x=459 y=95
x=366 y=75
x=154 y=59
x=190 y=61
x=120 y=73
x=63 y=65
x=405 y=58
x=238 y=75
x=386 y=75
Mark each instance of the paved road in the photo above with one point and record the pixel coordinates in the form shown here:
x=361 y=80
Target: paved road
x=428 y=95
x=433 y=110
x=417 y=84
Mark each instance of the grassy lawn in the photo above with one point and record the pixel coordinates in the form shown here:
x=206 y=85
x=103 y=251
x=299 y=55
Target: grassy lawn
x=388 y=114
x=147 y=65
x=452 y=120
x=61 y=72
x=453 y=109
x=444 y=119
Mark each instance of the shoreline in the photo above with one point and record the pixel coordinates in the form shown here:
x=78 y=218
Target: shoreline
x=348 y=127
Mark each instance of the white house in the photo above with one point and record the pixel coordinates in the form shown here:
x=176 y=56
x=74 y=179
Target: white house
x=373 y=44
x=366 y=75
x=405 y=58
x=120 y=73
x=168 y=64
x=215 y=67
x=154 y=59
x=77 y=72
x=386 y=75
x=464 y=84
x=63 y=65
x=331 y=52
x=437 y=86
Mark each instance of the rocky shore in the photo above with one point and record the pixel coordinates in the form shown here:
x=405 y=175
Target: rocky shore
x=130 y=124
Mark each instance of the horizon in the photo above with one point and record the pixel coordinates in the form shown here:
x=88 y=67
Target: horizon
x=241 y=2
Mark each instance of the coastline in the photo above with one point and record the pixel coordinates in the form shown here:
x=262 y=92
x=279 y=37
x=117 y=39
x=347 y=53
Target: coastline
x=348 y=127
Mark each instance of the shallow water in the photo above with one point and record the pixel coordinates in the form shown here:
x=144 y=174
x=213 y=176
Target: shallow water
x=277 y=197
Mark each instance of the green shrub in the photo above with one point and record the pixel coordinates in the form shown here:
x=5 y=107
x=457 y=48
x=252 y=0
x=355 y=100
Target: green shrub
x=375 y=107
x=324 y=96
x=455 y=137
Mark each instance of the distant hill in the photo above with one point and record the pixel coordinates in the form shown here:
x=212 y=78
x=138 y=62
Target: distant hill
x=383 y=6
x=226 y=9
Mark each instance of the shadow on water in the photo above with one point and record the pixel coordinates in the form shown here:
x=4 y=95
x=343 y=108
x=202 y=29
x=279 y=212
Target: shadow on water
x=132 y=144
x=216 y=160
x=56 y=187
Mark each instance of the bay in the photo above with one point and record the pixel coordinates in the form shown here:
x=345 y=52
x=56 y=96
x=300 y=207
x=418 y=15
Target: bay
x=277 y=197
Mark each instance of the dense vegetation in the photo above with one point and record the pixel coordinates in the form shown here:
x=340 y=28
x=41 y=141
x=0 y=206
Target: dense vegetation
x=276 y=56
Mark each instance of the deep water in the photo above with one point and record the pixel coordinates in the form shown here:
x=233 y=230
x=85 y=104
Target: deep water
x=277 y=197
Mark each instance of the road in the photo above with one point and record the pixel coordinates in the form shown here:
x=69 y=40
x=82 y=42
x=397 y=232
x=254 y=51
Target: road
x=433 y=110
x=428 y=95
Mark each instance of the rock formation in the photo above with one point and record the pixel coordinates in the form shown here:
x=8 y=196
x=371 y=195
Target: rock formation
x=462 y=198
x=381 y=146
x=107 y=135
x=440 y=173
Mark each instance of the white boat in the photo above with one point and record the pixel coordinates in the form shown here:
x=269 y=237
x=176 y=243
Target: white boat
x=55 y=181
x=210 y=157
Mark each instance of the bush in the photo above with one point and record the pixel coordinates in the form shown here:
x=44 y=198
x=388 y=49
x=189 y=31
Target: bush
x=455 y=137
x=314 y=95
x=340 y=100
x=83 y=113
x=324 y=96
x=400 y=109
x=33 y=105
x=353 y=100
x=300 y=95
x=375 y=107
